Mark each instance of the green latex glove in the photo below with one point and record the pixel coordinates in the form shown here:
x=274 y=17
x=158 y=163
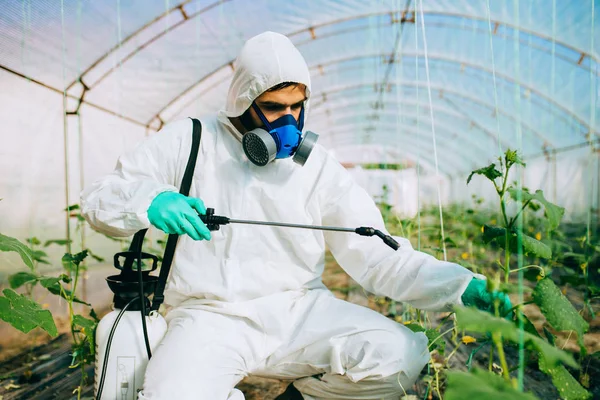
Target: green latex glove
x=478 y=296
x=174 y=213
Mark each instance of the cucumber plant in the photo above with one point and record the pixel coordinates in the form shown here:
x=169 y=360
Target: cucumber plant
x=560 y=314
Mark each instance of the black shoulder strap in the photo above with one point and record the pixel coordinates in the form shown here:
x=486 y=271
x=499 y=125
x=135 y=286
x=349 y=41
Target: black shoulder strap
x=172 y=240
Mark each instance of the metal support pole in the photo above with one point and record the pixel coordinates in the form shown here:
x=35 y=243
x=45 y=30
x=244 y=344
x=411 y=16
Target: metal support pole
x=554 y=177
x=82 y=226
x=66 y=155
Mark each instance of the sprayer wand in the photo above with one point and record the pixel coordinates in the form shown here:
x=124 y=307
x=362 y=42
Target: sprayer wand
x=213 y=222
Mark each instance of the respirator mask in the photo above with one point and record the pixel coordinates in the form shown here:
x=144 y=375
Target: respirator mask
x=281 y=138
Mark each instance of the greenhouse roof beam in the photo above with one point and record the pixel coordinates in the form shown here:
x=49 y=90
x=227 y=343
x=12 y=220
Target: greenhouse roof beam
x=456 y=93
x=311 y=29
x=414 y=116
x=442 y=14
x=578 y=62
x=158 y=19
x=79 y=99
x=505 y=77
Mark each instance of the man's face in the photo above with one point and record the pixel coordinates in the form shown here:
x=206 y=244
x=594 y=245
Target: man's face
x=278 y=103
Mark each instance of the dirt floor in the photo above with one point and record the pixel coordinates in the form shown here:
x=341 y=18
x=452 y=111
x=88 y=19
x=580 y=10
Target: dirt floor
x=34 y=367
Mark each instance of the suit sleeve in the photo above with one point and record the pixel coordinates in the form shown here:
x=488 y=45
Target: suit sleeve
x=117 y=204
x=404 y=275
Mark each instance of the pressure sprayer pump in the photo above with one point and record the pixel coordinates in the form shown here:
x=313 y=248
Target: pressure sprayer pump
x=121 y=358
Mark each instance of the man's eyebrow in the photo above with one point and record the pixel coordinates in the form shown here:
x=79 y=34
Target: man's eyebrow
x=275 y=103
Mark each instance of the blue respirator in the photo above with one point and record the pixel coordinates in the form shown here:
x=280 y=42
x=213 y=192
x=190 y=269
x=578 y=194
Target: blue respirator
x=282 y=139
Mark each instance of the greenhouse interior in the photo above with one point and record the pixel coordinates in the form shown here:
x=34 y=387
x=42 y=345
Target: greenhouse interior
x=462 y=134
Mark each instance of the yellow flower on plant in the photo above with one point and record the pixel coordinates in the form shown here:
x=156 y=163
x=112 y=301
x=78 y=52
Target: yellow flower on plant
x=398 y=318
x=583 y=267
x=538 y=236
x=468 y=339
x=464 y=255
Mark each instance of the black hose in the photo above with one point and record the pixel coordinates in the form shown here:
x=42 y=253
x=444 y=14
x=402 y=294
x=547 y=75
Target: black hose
x=108 y=343
x=143 y=308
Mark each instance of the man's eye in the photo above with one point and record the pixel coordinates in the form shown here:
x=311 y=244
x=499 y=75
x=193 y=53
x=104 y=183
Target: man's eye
x=272 y=108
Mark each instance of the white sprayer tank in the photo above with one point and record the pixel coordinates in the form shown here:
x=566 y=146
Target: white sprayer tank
x=128 y=358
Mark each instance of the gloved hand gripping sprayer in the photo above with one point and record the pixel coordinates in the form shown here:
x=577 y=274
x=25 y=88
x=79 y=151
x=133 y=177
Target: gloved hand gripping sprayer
x=121 y=358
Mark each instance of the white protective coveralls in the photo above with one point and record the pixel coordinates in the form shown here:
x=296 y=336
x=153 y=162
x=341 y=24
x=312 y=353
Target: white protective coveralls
x=251 y=300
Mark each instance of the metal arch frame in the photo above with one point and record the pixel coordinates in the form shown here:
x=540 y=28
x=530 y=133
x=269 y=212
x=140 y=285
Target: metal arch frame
x=458 y=114
x=504 y=77
x=310 y=29
x=443 y=14
x=420 y=135
x=578 y=63
x=419 y=85
x=156 y=20
x=415 y=116
x=470 y=65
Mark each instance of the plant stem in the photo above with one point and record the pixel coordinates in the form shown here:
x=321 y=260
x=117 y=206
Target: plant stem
x=543 y=273
x=497 y=338
x=506 y=256
x=437 y=383
x=512 y=221
x=441 y=335
x=453 y=352
x=506 y=226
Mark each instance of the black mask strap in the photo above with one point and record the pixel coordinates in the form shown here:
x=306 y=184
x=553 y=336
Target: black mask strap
x=246 y=120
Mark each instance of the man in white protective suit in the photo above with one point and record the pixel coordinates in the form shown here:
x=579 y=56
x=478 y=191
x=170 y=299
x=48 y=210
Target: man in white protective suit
x=249 y=300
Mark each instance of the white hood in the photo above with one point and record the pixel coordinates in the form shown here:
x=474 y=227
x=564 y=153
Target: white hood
x=265 y=60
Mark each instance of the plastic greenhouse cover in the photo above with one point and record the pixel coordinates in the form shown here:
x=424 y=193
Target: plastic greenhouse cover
x=480 y=75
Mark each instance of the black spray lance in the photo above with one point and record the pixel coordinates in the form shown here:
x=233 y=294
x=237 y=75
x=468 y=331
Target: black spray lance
x=213 y=223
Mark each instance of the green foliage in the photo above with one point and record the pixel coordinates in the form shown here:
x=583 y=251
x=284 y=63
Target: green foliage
x=88 y=328
x=12 y=244
x=71 y=261
x=567 y=385
x=558 y=310
x=511 y=157
x=531 y=246
x=480 y=384
x=21 y=278
x=53 y=285
x=489 y=172
x=553 y=212
x=435 y=341
x=40 y=257
x=60 y=242
x=474 y=320
x=25 y=314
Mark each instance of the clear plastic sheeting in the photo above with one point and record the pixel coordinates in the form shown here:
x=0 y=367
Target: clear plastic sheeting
x=444 y=86
x=395 y=188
